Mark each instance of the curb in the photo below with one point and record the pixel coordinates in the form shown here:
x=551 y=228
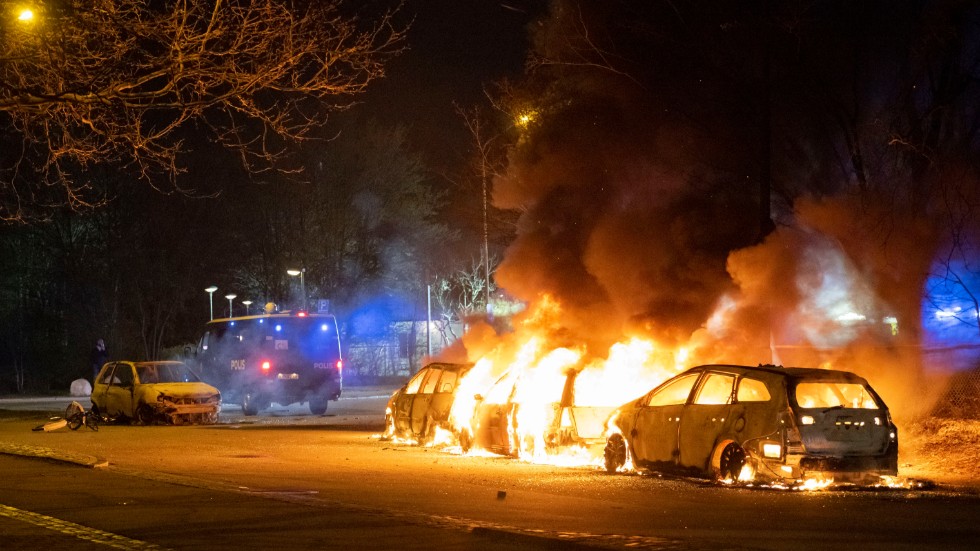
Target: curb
x=79 y=459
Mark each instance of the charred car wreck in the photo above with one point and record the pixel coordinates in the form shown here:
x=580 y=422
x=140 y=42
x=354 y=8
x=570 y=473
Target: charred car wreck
x=154 y=393
x=745 y=423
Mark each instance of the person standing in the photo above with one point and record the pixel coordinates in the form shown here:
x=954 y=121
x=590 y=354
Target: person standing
x=99 y=357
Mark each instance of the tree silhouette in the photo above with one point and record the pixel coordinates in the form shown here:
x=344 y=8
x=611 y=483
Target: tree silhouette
x=128 y=83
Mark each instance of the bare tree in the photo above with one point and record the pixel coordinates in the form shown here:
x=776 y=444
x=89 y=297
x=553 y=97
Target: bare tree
x=85 y=83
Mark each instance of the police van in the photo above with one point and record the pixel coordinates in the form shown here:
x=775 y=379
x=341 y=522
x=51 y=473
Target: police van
x=286 y=358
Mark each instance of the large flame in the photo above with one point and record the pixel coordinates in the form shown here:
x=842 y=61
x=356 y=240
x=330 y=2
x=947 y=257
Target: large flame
x=535 y=378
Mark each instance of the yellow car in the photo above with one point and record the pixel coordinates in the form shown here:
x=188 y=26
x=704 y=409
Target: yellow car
x=154 y=392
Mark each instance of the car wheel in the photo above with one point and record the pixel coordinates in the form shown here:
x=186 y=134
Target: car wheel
x=318 y=406
x=144 y=415
x=615 y=453
x=250 y=405
x=731 y=461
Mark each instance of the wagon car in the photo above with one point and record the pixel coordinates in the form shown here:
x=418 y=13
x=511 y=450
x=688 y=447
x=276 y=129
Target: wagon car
x=768 y=422
x=518 y=417
x=154 y=392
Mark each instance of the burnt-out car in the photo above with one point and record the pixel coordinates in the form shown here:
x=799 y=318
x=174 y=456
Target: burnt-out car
x=528 y=414
x=154 y=392
x=768 y=422
x=417 y=409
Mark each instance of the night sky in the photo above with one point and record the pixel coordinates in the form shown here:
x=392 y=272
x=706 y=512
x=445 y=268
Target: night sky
x=455 y=50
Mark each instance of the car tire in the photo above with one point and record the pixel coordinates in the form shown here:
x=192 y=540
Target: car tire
x=615 y=453
x=730 y=462
x=318 y=406
x=250 y=405
x=144 y=415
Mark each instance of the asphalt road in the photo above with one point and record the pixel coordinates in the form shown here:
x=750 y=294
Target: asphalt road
x=289 y=480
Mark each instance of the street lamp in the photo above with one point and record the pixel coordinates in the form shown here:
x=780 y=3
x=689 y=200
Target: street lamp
x=302 y=282
x=247 y=303
x=25 y=15
x=230 y=298
x=210 y=291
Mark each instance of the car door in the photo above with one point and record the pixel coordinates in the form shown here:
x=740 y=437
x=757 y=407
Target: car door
x=443 y=395
x=655 y=432
x=119 y=391
x=705 y=419
x=403 y=403
x=423 y=399
x=101 y=387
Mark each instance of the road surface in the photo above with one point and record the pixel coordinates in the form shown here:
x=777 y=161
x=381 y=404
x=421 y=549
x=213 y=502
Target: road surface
x=290 y=480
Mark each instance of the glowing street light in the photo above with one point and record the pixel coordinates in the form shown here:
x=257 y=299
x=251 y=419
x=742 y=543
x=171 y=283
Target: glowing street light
x=302 y=282
x=247 y=303
x=210 y=291
x=230 y=297
x=25 y=15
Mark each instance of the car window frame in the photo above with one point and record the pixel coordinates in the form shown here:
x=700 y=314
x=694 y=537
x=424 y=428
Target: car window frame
x=703 y=382
x=738 y=389
x=130 y=373
x=428 y=389
x=439 y=386
x=662 y=388
x=420 y=377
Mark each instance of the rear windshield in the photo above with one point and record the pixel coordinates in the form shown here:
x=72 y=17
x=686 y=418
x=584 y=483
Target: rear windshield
x=834 y=394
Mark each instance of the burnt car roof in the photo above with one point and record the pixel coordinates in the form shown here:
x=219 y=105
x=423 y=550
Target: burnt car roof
x=795 y=373
x=449 y=365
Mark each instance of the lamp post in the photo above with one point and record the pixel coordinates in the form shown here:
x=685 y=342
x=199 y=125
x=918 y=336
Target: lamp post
x=302 y=283
x=230 y=297
x=210 y=291
x=247 y=303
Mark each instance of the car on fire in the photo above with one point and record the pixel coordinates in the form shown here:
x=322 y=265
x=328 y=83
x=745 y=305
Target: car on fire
x=154 y=392
x=422 y=405
x=783 y=424
x=516 y=418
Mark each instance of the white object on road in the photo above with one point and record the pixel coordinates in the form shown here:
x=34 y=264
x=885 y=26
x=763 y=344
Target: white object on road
x=81 y=387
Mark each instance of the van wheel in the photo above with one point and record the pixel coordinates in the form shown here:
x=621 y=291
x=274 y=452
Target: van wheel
x=318 y=406
x=731 y=461
x=250 y=406
x=615 y=453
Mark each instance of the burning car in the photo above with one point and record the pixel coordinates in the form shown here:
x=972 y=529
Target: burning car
x=417 y=409
x=737 y=423
x=528 y=418
x=151 y=392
